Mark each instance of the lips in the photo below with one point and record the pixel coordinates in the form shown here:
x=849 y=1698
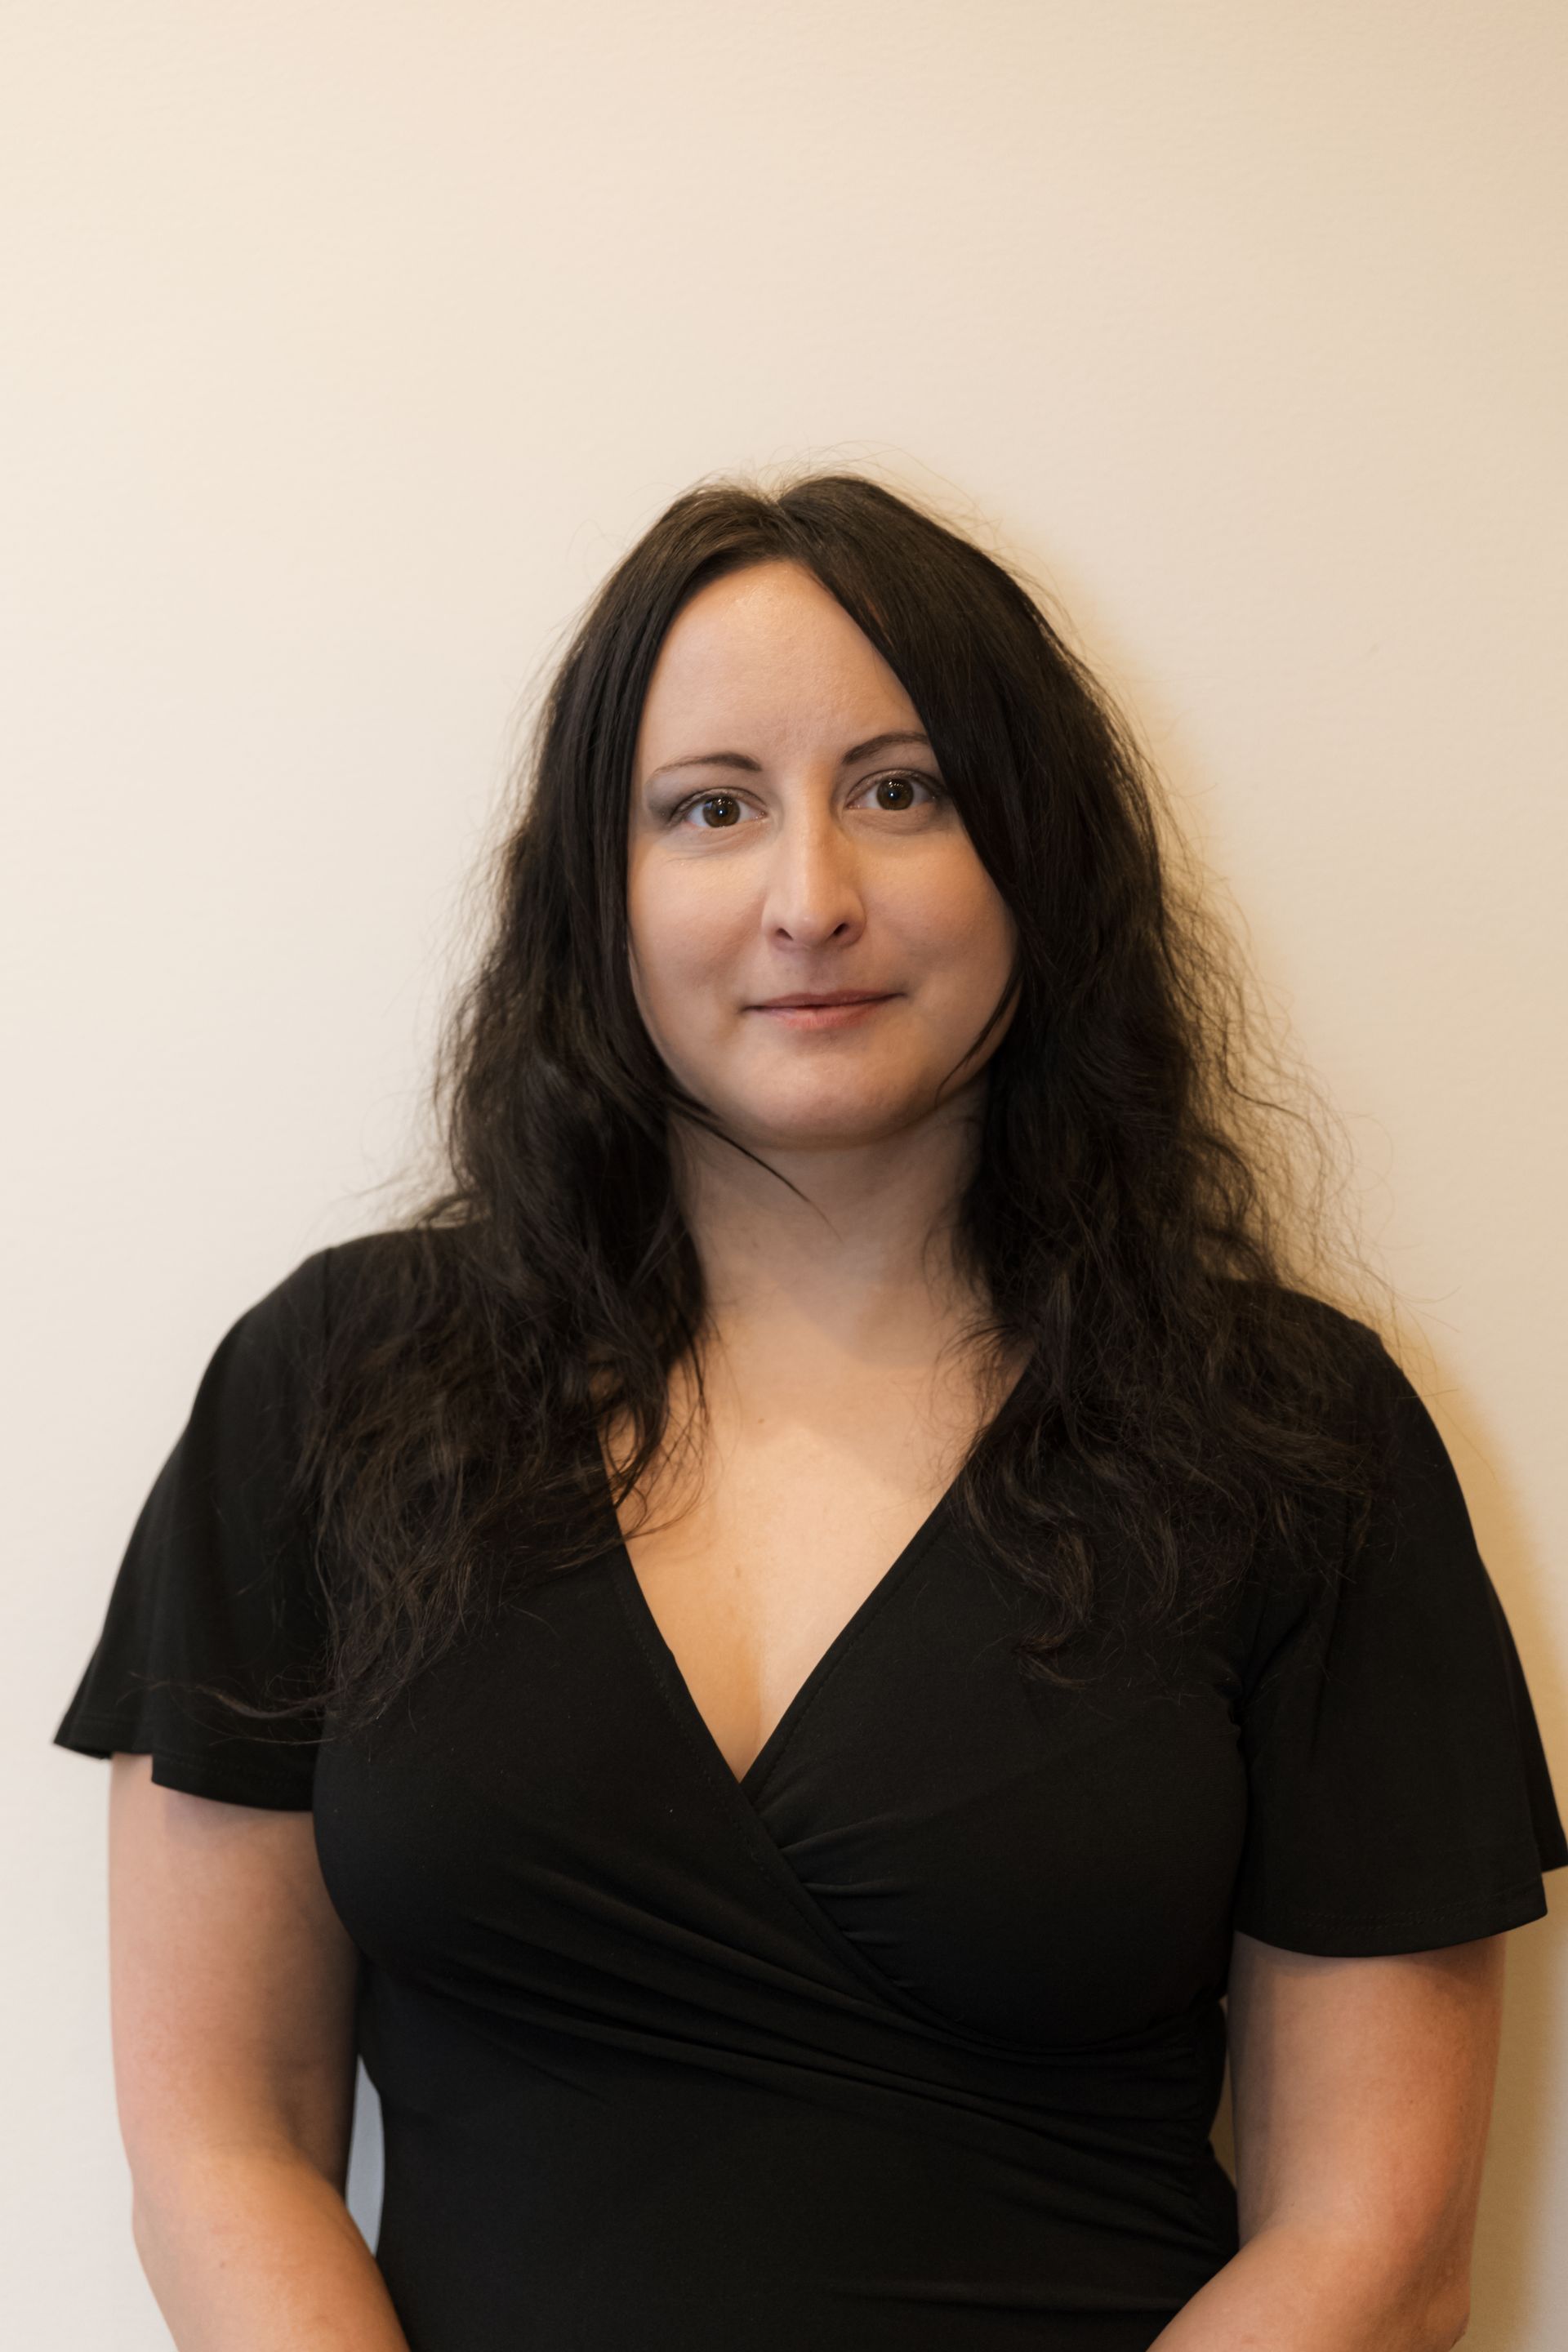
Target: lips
x=847 y=1010
x=840 y=996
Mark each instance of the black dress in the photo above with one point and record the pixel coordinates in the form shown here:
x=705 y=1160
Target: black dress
x=912 y=2037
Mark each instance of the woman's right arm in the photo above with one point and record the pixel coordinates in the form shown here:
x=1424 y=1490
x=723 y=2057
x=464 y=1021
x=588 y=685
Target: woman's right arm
x=232 y=1984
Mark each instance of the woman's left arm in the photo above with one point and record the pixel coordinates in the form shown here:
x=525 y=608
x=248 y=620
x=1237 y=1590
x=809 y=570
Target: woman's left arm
x=1362 y=2094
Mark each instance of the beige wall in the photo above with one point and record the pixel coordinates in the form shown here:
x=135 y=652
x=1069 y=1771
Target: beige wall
x=347 y=344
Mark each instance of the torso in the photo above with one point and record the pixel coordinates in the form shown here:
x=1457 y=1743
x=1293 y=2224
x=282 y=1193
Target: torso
x=791 y=1509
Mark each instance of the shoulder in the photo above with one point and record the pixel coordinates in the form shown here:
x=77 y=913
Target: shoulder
x=1355 y=1439
x=389 y=1280
x=283 y=1339
x=362 y=1312
x=1304 y=1311
x=1343 y=1361
x=1394 y=1509
x=1378 y=1401
x=390 y=1263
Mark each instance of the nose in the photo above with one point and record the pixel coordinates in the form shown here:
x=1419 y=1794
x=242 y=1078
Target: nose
x=812 y=894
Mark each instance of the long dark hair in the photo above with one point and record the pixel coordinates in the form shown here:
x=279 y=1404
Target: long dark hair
x=1134 y=1205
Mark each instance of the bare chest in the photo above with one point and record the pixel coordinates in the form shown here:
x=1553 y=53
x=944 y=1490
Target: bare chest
x=792 y=1529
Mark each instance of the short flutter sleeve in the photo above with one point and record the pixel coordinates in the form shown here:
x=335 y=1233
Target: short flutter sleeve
x=219 y=1584
x=1399 y=1797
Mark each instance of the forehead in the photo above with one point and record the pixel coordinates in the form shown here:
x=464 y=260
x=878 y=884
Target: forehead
x=767 y=651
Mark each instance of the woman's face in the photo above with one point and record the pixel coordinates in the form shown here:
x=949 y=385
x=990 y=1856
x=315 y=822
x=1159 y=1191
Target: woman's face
x=789 y=834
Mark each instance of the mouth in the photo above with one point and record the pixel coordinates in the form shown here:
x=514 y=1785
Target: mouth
x=839 y=1008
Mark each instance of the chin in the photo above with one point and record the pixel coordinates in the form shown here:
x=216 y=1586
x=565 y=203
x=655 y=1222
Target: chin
x=861 y=1113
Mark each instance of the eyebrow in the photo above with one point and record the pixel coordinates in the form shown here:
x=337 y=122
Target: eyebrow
x=873 y=744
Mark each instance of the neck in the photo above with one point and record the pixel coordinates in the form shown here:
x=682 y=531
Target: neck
x=857 y=1259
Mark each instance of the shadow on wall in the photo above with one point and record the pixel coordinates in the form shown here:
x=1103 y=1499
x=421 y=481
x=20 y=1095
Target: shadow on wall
x=1222 y=2136
x=363 y=2193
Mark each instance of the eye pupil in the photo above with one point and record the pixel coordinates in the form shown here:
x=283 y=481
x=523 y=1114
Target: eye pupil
x=716 y=800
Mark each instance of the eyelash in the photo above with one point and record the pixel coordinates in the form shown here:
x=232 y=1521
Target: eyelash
x=914 y=775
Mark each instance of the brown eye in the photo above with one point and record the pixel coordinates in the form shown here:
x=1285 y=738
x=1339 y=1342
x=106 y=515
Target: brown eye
x=712 y=801
x=905 y=782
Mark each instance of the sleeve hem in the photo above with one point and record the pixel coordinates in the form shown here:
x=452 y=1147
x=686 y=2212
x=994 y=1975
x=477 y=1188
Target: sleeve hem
x=230 y=1781
x=1347 y=1935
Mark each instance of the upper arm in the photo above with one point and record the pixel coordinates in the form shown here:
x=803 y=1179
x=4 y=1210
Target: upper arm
x=1362 y=2094
x=232 y=1980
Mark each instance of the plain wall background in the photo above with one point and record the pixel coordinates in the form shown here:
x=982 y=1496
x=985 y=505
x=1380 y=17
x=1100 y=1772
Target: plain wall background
x=346 y=346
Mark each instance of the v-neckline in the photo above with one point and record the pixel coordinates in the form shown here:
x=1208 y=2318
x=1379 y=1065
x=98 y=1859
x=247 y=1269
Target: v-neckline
x=677 y=1689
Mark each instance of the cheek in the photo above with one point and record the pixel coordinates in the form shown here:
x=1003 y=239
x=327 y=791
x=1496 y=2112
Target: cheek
x=685 y=941
x=956 y=926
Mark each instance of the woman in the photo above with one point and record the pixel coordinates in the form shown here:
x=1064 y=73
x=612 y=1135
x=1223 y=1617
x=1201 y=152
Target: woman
x=771 y=1656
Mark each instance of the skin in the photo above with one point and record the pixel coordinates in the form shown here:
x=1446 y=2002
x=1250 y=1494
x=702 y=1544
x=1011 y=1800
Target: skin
x=232 y=2012
x=804 y=874
x=841 y=1389
x=841 y=1392
x=233 y=1978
